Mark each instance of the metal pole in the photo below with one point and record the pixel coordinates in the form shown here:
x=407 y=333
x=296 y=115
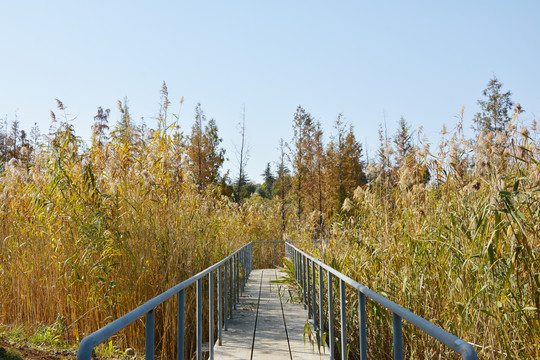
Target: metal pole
x=226 y=297
x=308 y=290
x=181 y=324
x=149 y=324
x=330 y=316
x=321 y=305
x=240 y=263
x=211 y=315
x=297 y=271
x=398 y=337
x=231 y=287
x=313 y=298
x=220 y=306
x=343 y=311
x=237 y=278
x=250 y=258
x=244 y=267
x=199 y=319
x=362 y=323
x=274 y=254
x=304 y=279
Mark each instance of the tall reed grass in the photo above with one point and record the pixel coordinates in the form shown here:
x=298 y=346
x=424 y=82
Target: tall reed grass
x=88 y=235
x=462 y=251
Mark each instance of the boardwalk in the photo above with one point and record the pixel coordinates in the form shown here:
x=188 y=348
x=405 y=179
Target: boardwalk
x=274 y=331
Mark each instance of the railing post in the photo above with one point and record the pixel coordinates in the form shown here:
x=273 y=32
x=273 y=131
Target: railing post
x=295 y=258
x=237 y=279
x=362 y=325
x=313 y=301
x=398 y=337
x=211 y=315
x=321 y=305
x=300 y=274
x=308 y=286
x=220 y=305
x=226 y=297
x=297 y=271
x=274 y=254
x=304 y=279
x=231 y=287
x=149 y=332
x=330 y=316
x=181 y=324
x=199 y=319
x=343 y=312
x=243 y=268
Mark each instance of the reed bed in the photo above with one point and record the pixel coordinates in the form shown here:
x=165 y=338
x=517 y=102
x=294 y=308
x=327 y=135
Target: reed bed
x=88 y=235
x=461 y=251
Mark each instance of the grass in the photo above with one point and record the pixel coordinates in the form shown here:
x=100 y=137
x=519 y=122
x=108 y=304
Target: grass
x=462 y=252
x=9 y=355
x=88 y=234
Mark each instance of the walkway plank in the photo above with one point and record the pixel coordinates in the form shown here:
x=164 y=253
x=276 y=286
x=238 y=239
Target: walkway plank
x=272 y=324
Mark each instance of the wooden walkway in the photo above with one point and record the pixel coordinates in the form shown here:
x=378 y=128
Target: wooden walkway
x=265 y=326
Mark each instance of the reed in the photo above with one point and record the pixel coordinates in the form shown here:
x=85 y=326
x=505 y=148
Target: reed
x=88 y=235
x=461 y=251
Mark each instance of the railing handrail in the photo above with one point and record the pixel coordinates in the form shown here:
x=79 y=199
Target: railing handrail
x=243 y=257
x=99 y=336
x=465 y=349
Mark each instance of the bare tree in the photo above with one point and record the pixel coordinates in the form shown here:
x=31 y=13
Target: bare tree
x=242 y=156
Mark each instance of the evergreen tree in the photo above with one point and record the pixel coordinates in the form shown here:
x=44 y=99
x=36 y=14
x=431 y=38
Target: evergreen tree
x=268 y=184
x=203 y=150
x=495 y=109
x=353 y=165
x=335 y=151
x=403 y=142
x=384 y=154
x=302 y=157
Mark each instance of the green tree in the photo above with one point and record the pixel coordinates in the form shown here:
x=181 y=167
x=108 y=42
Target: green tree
x=495 y=109
x=302 y=156
x=354 y=165
x=335 y=159
x=384 y=154
x=268 y=184
x=203 y=149
x=403 y=142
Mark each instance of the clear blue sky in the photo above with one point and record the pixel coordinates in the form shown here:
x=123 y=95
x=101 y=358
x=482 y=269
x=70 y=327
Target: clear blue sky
x=370 y=60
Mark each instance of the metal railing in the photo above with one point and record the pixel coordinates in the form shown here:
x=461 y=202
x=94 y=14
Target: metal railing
x=232 y=273
x=306 y=267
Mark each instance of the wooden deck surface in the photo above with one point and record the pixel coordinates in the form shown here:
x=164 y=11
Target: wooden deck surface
x=274 y=331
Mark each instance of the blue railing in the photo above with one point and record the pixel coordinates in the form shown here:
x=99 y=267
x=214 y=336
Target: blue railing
x=306 y=268
x=232 y=273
